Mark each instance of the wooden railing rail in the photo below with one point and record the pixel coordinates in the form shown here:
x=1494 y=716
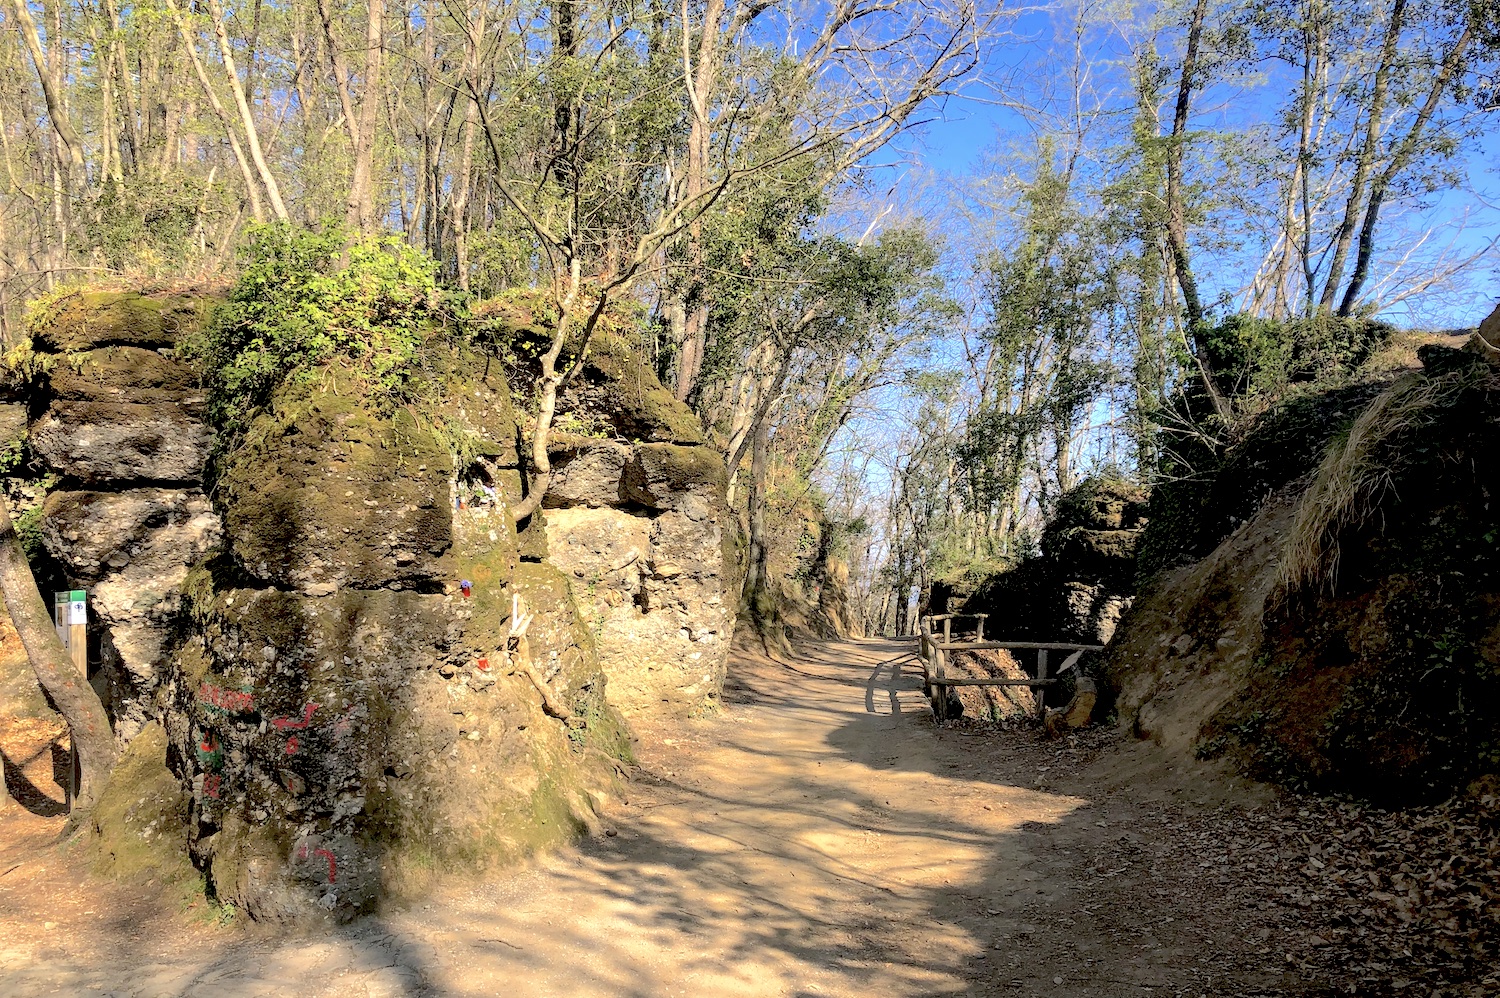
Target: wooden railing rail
x=934 y=657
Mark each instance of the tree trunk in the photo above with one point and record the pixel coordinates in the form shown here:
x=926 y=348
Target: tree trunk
x=252 y=190
x=1176 y=212
x=56 y=112
x=252 y=136
x=1367 y=154
x=694 y=342
x=75 y=699
x=361 y=214
x=757 y=595
x=1398 y=163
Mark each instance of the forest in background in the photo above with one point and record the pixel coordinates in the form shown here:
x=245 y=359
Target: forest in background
x=1196 y=209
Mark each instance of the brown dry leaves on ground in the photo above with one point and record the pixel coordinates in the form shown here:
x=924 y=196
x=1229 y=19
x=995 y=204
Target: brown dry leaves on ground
x=1347 y=898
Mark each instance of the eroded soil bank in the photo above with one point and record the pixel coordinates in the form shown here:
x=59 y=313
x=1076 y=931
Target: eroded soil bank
x=821 y=837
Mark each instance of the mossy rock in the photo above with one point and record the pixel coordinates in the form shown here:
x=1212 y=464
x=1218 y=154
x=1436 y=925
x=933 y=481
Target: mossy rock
x=122 y=374
x=615 y=391
x=324 y=494
x=618 y=388
x=473 y=411
x=1100 y=504
x=139 y=824
x=659 y=475
x=85 y=320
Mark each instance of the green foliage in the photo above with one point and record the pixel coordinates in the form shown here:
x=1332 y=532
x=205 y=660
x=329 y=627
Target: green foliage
x=12 y=455
x=154 y=223
x=1048 y=297
x=1260 y=358
x=29 y=530
x=306 y=299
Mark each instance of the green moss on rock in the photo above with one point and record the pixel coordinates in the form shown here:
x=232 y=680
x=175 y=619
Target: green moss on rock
x=85 y=320
x=324 y=493
x=122 y=374
x=138 y=831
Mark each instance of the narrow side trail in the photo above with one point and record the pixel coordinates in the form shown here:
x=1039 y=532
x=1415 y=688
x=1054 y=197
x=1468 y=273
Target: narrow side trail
x=819 y=837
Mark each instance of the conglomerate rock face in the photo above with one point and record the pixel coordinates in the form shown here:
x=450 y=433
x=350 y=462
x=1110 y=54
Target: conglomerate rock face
x=641 y=529
x=645 y=533
x=325 y=644
x=121 y=425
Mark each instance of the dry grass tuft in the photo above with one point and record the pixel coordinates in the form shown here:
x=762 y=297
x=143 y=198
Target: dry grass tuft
x=1356 y=475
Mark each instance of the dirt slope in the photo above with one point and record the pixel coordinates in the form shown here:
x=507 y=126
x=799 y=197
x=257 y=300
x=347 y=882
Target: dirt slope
x=820 y=837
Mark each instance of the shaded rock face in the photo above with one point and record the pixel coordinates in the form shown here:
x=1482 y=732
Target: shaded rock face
x=1376 y=680
x=1085 y=576
x=642 y=530
x=122 y=427
x=326 y=496
x=1190 y=516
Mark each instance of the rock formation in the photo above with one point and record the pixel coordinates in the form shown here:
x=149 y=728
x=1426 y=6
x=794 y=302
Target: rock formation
x=1084 y=577
x=121 y=425
x=641 y=528
x=328 y=645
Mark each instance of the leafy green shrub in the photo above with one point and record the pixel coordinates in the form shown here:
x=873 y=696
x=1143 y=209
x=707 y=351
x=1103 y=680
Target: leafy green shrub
x=1251 y=356
x=149 y=223
x=307 y=299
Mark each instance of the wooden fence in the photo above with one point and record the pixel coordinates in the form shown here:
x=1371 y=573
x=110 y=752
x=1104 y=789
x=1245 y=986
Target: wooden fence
x=933 y=652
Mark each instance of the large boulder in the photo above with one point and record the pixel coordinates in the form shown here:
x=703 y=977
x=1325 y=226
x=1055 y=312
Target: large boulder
x=345 y=716
x=339 y=713
x=325 y=494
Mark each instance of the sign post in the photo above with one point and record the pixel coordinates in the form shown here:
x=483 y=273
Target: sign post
x=70 y=615
x=78 y=629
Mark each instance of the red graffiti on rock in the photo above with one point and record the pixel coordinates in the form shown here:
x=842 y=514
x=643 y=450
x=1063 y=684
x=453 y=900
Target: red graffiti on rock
x=234 y=701
x=333 y=863
x=286 y=723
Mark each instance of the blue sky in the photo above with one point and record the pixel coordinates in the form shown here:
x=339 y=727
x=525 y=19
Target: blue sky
x=952 y=149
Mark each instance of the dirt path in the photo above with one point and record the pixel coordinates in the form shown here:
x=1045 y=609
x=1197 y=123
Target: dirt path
x=820 y=837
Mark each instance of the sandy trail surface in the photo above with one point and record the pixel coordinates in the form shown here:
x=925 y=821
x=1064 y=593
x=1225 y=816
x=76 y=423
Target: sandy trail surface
x=820 y=836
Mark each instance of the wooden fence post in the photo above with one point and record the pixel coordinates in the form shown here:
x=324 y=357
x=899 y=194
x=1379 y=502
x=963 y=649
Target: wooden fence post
x=939 y=690
x=1041 y=691
x=927 y=651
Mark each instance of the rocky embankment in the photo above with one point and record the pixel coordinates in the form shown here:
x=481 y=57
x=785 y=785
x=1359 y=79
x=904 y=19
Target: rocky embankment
x=325 y=656
x=1327 y=610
